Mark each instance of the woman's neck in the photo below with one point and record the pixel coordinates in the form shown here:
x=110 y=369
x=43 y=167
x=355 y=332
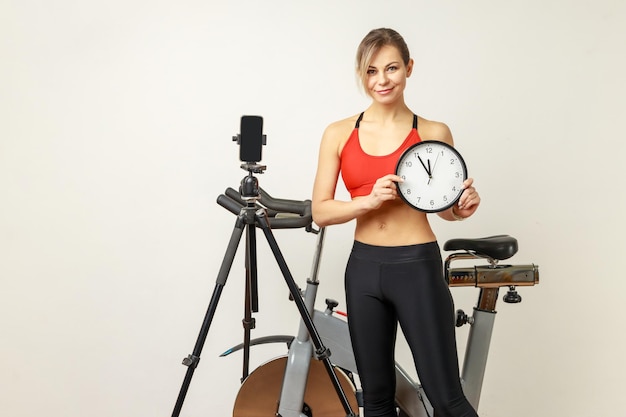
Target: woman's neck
x=388 y=113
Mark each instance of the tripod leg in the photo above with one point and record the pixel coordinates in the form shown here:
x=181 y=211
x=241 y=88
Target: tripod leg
x=251 y=296
x=192 y=360
x=320 y=349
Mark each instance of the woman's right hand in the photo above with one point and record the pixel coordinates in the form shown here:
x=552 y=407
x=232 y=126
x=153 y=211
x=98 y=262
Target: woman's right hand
x=384 y=189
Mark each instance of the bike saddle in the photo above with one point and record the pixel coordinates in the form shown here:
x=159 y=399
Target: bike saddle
x=496 y=247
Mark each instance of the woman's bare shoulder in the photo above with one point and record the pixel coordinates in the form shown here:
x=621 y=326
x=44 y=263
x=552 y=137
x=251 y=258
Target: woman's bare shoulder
x=337 y=133
x=434 y=130
x=340 y=130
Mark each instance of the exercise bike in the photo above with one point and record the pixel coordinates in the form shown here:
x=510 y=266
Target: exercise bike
x=296 y=385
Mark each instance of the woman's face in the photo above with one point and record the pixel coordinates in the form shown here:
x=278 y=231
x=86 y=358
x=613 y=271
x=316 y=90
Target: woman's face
x=387 y=74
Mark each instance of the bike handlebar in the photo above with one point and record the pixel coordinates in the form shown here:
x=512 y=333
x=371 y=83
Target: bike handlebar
x=282 y=213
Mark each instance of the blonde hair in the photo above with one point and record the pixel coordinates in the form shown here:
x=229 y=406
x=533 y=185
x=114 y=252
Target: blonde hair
x=371 y=43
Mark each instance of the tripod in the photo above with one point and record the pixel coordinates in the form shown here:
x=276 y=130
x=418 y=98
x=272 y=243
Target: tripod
x=250 y=215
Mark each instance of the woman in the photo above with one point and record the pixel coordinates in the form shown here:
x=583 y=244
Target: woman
x=394 y=273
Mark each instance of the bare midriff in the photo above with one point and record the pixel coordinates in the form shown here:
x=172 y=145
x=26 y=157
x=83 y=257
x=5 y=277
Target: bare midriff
x=393 y=224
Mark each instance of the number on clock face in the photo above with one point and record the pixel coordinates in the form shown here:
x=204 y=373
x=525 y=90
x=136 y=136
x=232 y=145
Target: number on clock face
x=433 y=173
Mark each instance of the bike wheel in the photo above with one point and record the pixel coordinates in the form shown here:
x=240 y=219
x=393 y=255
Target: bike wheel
x=260 y=392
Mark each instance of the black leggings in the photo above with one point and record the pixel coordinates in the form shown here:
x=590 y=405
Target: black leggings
x=404 y=284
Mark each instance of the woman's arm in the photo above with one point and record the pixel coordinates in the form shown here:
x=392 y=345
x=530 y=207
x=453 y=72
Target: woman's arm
x=326 y=210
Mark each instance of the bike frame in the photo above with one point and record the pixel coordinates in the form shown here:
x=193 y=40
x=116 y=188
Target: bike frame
x=410 y=397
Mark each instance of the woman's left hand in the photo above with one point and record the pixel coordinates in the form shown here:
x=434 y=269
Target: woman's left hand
x=469 y=201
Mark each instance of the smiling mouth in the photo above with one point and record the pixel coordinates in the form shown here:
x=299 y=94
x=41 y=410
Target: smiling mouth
x=386 y=91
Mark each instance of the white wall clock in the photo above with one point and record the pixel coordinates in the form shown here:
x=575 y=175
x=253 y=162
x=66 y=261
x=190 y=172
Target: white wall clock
x=433 y=174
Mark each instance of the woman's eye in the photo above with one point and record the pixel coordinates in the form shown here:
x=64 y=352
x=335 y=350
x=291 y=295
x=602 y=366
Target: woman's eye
x=392 y=69
x=371 y=71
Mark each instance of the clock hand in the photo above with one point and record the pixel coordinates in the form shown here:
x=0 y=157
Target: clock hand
x=434 y=165
x=436 y=159
x=424 y=165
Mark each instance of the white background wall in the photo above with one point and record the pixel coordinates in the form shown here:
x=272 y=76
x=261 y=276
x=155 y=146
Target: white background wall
x=116 y=121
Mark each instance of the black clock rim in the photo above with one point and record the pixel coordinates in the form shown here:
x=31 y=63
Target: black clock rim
x=421 y=143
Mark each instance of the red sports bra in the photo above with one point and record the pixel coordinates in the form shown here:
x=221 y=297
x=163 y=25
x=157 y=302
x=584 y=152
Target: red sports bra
x=360 y=170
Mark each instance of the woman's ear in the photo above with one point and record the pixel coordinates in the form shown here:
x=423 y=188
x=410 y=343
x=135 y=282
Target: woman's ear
x=409 y=68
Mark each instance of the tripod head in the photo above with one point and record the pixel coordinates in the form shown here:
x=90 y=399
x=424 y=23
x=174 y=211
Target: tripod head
x=285 y=214
x=251 y=141
x=249 y=188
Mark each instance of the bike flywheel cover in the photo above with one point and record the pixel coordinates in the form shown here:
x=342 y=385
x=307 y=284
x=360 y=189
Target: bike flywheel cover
x=260 y=392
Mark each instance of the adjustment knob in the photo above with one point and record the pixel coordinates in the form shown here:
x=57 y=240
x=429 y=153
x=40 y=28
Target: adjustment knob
x=461 y=318
x=331 y=304
x=512 y=297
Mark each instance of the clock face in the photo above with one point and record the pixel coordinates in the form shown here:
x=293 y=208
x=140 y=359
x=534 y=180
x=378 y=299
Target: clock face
x=433 y=174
